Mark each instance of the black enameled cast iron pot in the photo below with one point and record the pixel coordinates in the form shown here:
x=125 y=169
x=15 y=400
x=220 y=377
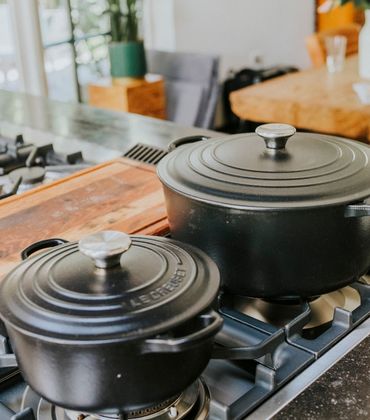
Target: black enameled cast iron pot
x=113 y=323
x=282 y=217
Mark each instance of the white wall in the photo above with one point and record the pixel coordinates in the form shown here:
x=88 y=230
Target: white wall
x=236 y=30
x=159 y=25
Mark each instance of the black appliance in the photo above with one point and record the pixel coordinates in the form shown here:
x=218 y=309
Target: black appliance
x=243 y=78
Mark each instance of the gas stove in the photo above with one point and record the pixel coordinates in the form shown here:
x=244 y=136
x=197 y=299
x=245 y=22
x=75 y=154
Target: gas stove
x=266 y=354
x=24 y=165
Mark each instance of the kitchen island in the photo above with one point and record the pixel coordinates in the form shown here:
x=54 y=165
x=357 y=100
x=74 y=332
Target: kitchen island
x=118 y=195
x=340 y=393
x=99 y=134
x=102 y=135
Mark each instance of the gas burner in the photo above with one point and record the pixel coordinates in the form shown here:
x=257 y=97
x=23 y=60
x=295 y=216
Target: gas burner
x=280 y=313
x=192 y=404
x=29 y=175
x=24 y=166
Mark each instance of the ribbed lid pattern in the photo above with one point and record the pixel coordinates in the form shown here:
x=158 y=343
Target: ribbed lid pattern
x=62 y=295
x=240 y=171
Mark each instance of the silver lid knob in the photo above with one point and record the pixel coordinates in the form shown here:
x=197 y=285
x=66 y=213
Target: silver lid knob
x=105 y=247
x=275 y=135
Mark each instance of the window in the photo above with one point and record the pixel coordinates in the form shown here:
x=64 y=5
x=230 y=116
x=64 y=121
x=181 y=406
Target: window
x=74 y=34
x=8 y=70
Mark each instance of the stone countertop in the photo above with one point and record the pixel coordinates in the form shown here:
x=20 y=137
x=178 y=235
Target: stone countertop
x=342 y=392
x=100 y=134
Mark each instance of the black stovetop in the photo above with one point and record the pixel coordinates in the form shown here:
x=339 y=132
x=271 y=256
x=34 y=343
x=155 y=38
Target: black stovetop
x=253 y=361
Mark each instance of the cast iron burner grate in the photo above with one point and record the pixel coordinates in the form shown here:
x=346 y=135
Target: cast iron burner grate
x=24 y=166
x=146 y=153
x=252 y=359
x=192 y=404
x=262 y=358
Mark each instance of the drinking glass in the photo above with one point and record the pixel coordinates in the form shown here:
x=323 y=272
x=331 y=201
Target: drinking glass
x=335 y=52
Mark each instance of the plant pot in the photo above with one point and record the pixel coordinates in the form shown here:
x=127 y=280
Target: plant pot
x=127 y=59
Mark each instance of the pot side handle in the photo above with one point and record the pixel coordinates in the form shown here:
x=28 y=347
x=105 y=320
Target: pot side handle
x=185 y=140
x=178 y=344
x=37 y=246
x=8 y=360
x=357 y=210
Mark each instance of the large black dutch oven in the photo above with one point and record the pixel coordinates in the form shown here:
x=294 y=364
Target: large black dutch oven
x=282 y=217
x=112 y=323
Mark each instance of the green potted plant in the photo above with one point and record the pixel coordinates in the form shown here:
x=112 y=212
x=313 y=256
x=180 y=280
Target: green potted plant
x=327 y=5
x=126 y=49
x=364 y=37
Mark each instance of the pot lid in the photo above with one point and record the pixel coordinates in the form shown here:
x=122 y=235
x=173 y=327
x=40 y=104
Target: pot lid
x=110 y=287
x=275 y=168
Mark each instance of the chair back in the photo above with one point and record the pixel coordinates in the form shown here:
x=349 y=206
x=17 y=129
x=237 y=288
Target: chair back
x=191 y=82
x=315 y=43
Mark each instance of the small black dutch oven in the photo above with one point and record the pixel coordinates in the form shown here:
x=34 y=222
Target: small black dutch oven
x=113 y=323
x=282 y=219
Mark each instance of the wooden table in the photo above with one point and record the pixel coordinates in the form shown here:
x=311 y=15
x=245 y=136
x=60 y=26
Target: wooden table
x=313 y=100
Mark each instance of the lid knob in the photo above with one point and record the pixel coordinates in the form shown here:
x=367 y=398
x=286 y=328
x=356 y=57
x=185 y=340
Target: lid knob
x=275 y=135
x=105 y=247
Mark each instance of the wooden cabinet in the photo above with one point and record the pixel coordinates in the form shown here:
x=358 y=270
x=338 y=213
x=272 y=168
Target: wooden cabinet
x=139 y=96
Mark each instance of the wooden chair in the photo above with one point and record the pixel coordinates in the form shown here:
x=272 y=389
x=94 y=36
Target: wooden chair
x=315 y=43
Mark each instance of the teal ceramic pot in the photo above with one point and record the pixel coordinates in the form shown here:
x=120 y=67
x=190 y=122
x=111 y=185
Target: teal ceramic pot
x=127 y=59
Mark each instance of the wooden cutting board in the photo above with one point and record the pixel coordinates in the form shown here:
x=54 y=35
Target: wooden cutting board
x=117 y=195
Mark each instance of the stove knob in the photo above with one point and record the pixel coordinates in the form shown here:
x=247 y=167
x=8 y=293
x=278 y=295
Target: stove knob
x=275 y=135
x=105 y=248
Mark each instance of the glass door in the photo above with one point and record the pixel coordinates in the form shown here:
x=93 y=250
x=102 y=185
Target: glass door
x=9 y=76
x=74 y=34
